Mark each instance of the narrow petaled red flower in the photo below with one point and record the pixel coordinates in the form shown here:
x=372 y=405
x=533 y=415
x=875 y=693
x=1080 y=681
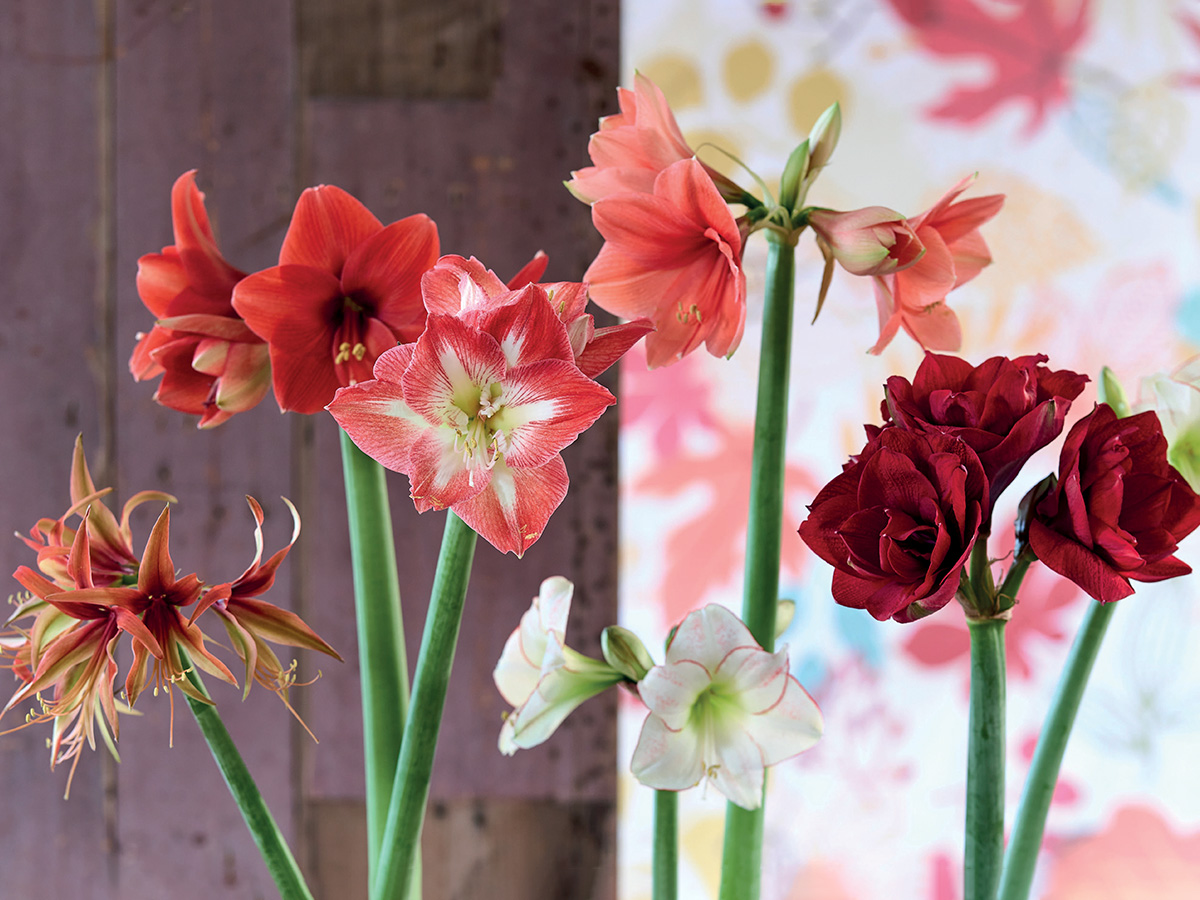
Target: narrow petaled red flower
x=1118 y=509
x=675 y=257
x=346 y=289
x=476 y=413
x=915 y=298
x=899 y=522
x=212 y=364
x=1005 y=410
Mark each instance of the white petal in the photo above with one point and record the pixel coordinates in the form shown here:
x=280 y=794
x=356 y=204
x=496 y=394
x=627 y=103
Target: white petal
x=665 y=759
x=670 y=691
x=755 y=677
x=707 y=636
x=516 y=675
x=791 y=726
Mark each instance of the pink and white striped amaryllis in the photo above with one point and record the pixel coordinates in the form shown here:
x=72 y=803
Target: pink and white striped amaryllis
x=476 y=413
x=721 y=708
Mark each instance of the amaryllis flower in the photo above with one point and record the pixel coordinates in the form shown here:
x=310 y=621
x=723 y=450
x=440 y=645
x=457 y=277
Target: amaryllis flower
x=476 y=413
x=899 y=522
x=1175 y=398
x=633 y=146
x=721 y=708
x=540 y=675
x=69 y=651
x=1118 y=509
x=915 y=298
x=250 y=622
x=1005 y=410
x=346 y=289
x=674 y=256
x=110 y=541
x=456 y=285
x=870 y=241
x=212 y=364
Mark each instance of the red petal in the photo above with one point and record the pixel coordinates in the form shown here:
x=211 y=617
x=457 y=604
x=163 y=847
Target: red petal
x=456 y=284
x=512 y=513
x=610 y=344
x=207 y=270
x=527 y=329
x=379 y=422
x=160 y=277
x=451 y=362
x=326 y=227
x=386 y=271
x=156 y=574
x=531 y=272
x=546 y=406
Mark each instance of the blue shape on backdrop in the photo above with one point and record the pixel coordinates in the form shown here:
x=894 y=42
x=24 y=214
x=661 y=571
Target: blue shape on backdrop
x=1188 y=315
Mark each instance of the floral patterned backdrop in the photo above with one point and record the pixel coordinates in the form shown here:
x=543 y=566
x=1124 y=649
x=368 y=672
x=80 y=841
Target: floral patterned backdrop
x=1086 y=113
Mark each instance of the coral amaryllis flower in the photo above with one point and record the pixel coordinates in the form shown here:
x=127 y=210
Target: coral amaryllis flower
x=70 y=649
x=674 y=256
x=540 y=675
x=456 y=285
x=721 y=708
x=476 y=413
x=346 y=289
x=250 y=622
x=110 y=541
x=633 y=146
x=870 y=241
x=159 y=599
x=915 y=298
x=212 y=365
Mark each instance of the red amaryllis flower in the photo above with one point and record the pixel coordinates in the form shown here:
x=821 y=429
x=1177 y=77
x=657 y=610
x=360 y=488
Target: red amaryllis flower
x=633 y=146
x=674 y=256
x=476 y=413
x=899 y=522
x=110 y=542
x=250 y=621
x=345 y=290
x=1118 y=509
x=212 y=365
x=1005 y=410
x=915 y=298
x=456 y=285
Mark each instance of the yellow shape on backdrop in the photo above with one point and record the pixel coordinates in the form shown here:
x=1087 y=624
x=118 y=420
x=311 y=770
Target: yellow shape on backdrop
x=748 y=70
x=706 y=141
x=1146 y=133
x=810 y=94
x=678 y=77
x=701 y=839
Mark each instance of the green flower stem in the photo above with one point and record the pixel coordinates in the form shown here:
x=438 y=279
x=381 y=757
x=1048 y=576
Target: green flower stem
x=665 y=876
x=984 y=850
x=382 y=664
x=267 y=836
x=406 y=814
x=741 y=863
x=1026 y=838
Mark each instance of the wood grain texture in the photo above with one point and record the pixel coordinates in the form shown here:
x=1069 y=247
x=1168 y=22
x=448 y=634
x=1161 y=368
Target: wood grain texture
x=103 y=111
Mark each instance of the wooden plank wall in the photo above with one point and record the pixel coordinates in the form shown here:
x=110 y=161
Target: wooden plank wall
x=472 y=111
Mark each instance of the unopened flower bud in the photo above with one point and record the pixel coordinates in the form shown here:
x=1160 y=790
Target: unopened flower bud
x=625 y=652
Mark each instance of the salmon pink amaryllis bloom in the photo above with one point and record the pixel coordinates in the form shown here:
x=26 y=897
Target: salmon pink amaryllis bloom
x=476 y=413
x=721 y=708
x=633 y=146
x=915 y=298
x=674 y=256
x=456 y=285
x=346 y=289
x=870 y=241
x=212 y=365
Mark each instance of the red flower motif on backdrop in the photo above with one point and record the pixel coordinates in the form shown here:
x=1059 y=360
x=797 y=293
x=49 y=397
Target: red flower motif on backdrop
x=212 y=365
x=705 y=551
x=346 y=289
x=914 y=298
x=674 y=256
x=669 y=402
x=476 y=413
x=1118 y=509
x=1027 y=44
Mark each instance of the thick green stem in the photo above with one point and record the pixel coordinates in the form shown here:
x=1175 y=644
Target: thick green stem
x=984 y=851
x=267 y=836
x=1026 y=839
x=665 y=877
x=406 y=814
x=382 y=665
x=741 y=863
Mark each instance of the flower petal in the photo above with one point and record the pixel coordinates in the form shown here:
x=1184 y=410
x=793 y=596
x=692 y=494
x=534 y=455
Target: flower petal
x=512 y=512
x=665 y=759
x=326 y=227
x=386 y=271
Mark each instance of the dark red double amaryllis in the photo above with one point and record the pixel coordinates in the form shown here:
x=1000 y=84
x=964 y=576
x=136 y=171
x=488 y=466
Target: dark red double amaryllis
x=1117 y=510
x=1005 y=410
x=899 y=522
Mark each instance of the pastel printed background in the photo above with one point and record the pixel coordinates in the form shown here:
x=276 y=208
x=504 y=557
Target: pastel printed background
x=1087 y=115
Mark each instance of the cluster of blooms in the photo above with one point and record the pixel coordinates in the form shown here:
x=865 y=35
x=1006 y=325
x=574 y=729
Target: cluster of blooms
x=902 y=519
x=673 y=249
x=91 y=588
x=721 y=708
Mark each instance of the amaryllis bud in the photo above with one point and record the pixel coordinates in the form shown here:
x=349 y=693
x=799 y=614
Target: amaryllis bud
x=870 y=241
x=625 y=652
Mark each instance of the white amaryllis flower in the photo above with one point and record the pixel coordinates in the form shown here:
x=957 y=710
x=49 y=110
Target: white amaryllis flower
x=540 y=675
x=1176 y=399
x=722 y=708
